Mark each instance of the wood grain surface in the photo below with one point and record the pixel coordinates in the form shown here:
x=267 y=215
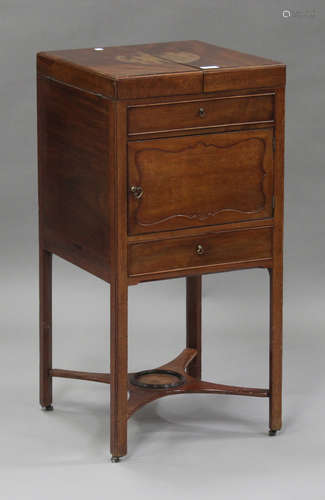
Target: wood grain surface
x=151 y=70
x=216 y=249
x=200 y=180
x=203 y=113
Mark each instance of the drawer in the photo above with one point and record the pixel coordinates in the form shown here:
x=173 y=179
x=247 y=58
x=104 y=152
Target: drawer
x=202 y=251
x=199 y=180
x=200 y=114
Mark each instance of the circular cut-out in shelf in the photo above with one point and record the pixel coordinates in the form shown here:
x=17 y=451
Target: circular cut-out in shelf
x=157 y=379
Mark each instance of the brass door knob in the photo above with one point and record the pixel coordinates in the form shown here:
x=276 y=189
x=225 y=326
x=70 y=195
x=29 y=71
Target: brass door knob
x=199 y=250
x=137 y=191
x=202 y=112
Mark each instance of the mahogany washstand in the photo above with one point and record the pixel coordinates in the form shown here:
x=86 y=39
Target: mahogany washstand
x=159 y=161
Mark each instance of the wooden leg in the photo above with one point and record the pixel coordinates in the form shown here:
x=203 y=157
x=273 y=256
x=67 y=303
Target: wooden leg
x=119 y=369
x=193 y=322
x=275 y=349
x=45 y=298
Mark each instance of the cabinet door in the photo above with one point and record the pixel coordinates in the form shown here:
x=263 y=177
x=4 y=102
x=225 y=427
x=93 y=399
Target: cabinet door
x=200 y=180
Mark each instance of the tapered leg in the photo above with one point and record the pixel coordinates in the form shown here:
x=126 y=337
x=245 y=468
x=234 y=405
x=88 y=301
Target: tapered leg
x=119 y=368
x=45 y=298
x=276 y=292
x=193 y=322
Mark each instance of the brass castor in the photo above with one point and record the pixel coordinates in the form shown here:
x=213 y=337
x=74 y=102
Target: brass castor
x=115 y=460
x=47 y=408
x=272 y=432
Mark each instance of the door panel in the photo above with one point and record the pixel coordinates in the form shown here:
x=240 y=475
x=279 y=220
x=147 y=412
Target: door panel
x=200 y=180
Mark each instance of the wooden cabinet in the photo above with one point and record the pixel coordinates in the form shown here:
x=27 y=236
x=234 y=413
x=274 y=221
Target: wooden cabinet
x=159 y=161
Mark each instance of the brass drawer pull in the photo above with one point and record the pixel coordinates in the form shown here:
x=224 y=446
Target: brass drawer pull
x=202 y=112
x=199 y=250
x=137 y=191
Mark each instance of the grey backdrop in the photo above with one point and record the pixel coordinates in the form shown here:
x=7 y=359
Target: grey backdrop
x=187 y=445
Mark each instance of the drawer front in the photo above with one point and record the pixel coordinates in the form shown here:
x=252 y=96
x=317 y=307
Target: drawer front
x=200 y=114
x=199 y=180
x=227 y=247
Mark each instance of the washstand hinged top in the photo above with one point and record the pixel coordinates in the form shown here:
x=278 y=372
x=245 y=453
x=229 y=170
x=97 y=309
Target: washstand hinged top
x=160 y=161
x=160 y=69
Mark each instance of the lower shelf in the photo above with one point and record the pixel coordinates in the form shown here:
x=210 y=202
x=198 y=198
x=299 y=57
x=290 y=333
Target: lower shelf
x=140 y=396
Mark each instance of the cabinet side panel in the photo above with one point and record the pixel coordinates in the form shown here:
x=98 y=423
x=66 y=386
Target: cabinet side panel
x=76 y=141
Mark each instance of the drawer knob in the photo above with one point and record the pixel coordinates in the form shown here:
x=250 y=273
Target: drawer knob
x=202 y=112
x=199 y=250
x=137 y=192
